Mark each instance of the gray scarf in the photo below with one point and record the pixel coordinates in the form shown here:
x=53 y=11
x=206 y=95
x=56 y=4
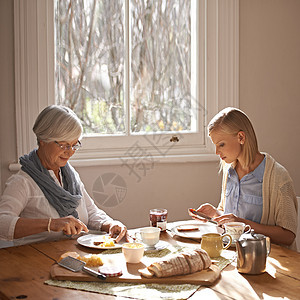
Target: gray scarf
x=64 y=200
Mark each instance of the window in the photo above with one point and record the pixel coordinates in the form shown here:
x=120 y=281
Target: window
x=99 y=42
x=174 y=65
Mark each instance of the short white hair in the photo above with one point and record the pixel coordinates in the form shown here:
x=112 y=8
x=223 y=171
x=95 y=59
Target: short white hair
x=57 y=123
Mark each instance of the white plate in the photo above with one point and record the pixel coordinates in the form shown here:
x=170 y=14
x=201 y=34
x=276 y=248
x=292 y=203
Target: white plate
x=159 y=246
x=197 y=234
x=89 y=239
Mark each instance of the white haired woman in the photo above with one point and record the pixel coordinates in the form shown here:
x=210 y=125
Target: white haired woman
x=256 y=190
x=46 y=200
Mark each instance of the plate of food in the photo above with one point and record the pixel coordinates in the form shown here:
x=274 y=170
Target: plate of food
x=195 y=230
x=97 y=241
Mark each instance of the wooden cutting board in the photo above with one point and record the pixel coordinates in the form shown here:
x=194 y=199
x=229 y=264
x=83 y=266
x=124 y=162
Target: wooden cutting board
x=131 y=274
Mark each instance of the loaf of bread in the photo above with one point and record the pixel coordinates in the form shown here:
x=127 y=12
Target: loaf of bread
x=186 y=262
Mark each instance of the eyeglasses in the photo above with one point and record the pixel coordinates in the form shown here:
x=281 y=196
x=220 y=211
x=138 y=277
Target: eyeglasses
x=68 y=147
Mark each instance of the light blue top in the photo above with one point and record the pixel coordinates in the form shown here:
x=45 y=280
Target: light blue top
x=244 y=197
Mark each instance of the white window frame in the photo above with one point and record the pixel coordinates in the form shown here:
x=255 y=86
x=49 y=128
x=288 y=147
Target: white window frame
x=34 y=84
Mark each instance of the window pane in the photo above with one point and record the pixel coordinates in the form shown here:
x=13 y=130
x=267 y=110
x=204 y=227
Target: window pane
x=90 y=56
x=90 y=62
x=160 y=65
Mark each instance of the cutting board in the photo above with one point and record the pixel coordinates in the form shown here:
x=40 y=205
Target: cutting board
x=131 y=274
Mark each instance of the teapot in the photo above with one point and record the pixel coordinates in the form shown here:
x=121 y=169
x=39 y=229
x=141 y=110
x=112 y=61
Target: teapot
x=252 y=252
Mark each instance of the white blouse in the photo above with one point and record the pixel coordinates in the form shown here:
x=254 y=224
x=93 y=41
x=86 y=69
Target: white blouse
x=22 y=197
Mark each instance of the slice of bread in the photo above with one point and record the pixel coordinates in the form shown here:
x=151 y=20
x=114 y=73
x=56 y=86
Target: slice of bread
x=184 y=264
x=156 y=269
x=146 y=273
x=205 y=258
x=194 y=260
x=187 y=228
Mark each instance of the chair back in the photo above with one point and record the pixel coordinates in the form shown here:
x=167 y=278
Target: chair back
x=298 y=228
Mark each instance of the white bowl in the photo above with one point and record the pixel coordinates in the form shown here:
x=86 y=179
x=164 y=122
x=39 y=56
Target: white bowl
x=133 y=252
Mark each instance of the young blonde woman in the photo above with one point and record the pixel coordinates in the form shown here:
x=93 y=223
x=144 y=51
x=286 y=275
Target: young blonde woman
x=256 y=190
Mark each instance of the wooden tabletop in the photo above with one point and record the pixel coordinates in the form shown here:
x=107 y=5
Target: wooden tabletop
x=24 y=269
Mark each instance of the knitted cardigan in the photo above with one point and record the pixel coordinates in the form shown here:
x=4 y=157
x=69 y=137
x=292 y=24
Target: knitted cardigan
x=280 y=204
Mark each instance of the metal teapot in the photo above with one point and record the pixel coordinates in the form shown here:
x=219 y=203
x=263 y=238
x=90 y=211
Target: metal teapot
x=252 y=252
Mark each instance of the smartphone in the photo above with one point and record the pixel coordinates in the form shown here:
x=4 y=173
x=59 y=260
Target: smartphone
x=193 y=212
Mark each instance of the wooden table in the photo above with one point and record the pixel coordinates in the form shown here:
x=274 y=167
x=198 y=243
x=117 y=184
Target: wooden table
x=24 y=269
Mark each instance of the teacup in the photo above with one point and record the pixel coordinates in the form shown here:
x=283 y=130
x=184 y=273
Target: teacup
x=133 y=252
x=149 y=235
x=212 y=243
x=236 y=229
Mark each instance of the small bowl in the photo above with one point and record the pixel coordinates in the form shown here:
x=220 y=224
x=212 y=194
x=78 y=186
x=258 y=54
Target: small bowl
x=133 y=252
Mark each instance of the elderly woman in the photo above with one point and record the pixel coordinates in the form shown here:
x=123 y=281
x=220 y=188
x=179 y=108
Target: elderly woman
x=46 y=199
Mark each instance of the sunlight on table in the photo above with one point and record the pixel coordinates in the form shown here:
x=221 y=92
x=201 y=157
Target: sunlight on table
x=267 y=297
x=272 y=264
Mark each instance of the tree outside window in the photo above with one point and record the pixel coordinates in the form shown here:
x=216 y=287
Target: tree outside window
x=106 y=54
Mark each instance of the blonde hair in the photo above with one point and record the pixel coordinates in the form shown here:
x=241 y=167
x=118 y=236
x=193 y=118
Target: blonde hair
x=231 y=121
x=57 y=123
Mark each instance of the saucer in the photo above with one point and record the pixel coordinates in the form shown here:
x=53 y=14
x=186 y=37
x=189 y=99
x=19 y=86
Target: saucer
x=159 y=246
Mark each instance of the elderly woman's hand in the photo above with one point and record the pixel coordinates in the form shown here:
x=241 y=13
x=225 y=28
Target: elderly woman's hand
x=68 y=225
x=115 y=229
